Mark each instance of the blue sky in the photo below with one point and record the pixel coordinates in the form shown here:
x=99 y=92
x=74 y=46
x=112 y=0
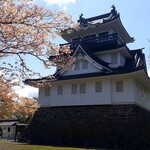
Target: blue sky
x=135 y=16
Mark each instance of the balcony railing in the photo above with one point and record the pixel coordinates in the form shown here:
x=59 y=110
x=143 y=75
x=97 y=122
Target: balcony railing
x=102 y=41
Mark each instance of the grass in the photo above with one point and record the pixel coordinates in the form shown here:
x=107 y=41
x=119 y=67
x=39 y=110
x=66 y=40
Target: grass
x=7 y=145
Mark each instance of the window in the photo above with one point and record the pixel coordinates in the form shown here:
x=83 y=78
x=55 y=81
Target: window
x=84 y=64
x=82 y=88
x=77 y=65
x=103 y=34
x=119 y=86
x=76 y=39
x=74 y=89
x=114 y=59
x=47 y=91
x=90 y=37
x=60 y=90
x=98 y=87
x=8 y=129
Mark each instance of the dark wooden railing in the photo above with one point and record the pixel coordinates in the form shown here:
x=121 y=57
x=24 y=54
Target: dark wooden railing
x=102 y=41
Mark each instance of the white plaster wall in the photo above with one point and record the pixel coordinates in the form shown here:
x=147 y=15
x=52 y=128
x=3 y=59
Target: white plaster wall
x=133 y=92
x=42 y=99
x=88 y=98
x=6 y=134
x=125 y=97
x=107 y=96
x=91 y=69
x=107 y=58
x=141 y=95
x=123 y=60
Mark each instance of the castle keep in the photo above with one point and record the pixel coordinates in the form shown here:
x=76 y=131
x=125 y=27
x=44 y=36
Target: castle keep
x=103 y=100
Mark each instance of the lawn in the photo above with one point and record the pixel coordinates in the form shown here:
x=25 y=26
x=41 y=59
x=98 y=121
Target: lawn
x=6 y=145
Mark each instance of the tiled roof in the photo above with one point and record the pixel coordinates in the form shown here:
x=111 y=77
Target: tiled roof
x=118 y=71
x=130 y=66
x=11 y=123
x=135 y=63
x=101 y=18
x=7 y=123
x=97 y=74
x=135 y=59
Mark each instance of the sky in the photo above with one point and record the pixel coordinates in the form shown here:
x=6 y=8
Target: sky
x=134 y=14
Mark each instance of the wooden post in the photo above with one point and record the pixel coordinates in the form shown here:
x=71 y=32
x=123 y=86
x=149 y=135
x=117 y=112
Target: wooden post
x=16 y=133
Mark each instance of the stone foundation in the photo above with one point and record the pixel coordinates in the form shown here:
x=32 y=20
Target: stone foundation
x=108 y=126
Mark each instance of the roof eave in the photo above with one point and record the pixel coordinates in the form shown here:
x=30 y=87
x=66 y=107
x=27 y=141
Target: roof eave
x=113 y=24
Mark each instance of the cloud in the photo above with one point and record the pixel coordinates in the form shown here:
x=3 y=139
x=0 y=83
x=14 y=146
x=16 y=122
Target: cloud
x=26 y=91
x=60 y=3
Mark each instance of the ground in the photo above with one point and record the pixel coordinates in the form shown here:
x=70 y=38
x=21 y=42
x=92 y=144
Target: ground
x=5 y=145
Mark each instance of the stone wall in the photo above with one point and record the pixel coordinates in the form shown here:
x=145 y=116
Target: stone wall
x=109 y=126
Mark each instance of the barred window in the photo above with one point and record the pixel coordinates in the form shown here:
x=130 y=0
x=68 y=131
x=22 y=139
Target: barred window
x=89 y=37
x=47 y=91
x=74 y=89
x=119 y=86
x=98 y=87
x=60 y=90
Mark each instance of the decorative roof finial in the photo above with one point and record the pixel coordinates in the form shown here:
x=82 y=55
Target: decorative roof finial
x=81 y=16
x=113 y=11
x=81 y=19
x=113 y=7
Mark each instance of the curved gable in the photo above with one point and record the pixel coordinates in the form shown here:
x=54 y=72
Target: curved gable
x=84 y=62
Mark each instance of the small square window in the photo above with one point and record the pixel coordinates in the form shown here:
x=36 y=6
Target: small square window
x=74 y=89
x=98 y=87
x=82 y=88
x=8 y=129
x=119 y=86
x=60 y=90
x=47 y=91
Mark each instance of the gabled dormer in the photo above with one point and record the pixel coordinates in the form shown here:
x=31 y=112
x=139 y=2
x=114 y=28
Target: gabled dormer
x=84 y=62
x=115 y=57
x=98 y=48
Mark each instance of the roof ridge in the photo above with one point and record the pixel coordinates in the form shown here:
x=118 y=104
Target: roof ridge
x=112 y=14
